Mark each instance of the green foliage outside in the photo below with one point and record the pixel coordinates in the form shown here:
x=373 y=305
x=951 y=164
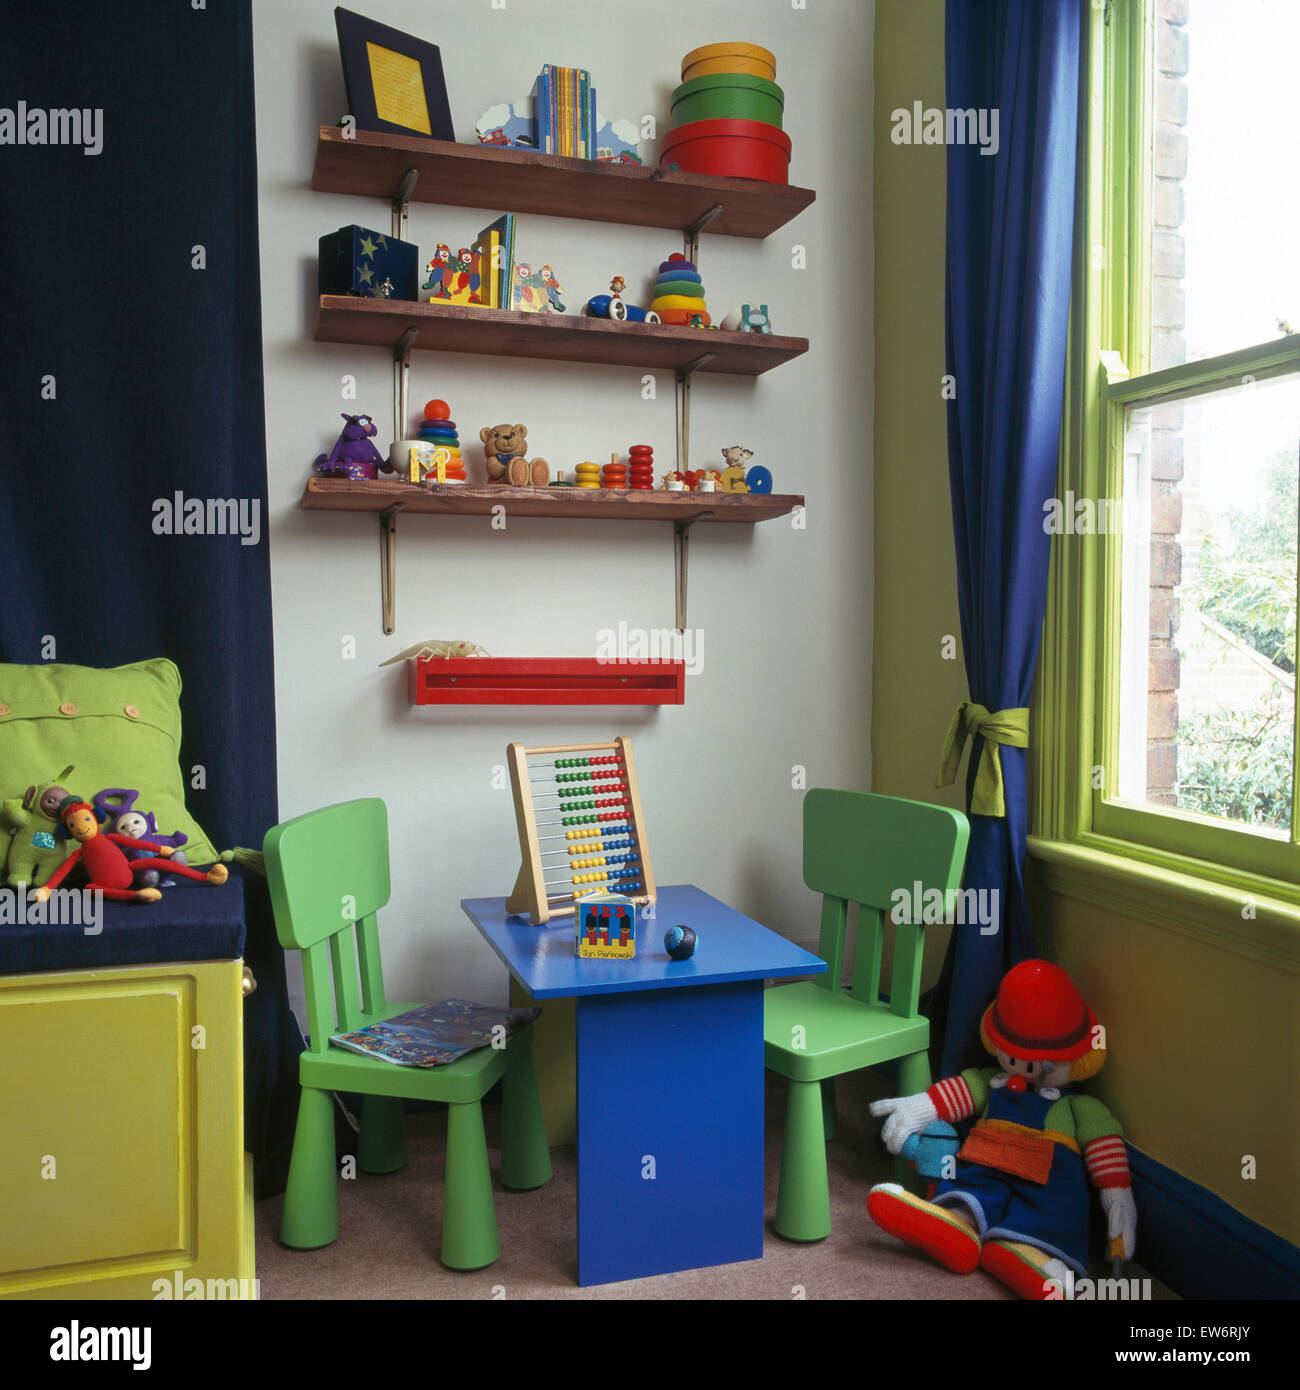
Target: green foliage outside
x=1238 y=763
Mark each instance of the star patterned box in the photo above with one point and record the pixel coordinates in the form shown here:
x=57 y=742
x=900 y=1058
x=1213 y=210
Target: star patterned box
x=357 y=261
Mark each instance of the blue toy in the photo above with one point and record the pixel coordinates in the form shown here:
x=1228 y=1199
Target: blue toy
x=931 y=1150
x=759 y=479
x=614 y=306
x=680 y=942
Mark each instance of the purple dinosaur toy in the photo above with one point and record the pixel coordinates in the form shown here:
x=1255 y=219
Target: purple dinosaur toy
x=353 y=455
x=118 y=806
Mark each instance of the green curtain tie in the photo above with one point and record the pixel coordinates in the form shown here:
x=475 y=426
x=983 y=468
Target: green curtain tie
x=1007 y=726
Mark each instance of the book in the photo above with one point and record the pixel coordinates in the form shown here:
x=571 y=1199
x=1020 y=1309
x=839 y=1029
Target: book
x=435 y=1034
x=487 y=250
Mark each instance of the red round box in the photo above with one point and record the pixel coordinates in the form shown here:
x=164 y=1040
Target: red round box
x=733 y=149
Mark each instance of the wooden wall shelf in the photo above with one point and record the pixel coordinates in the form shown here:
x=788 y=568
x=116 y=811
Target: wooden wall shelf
x=557 y=680
x=603 y=504
x=555 y=337
x=523 y=181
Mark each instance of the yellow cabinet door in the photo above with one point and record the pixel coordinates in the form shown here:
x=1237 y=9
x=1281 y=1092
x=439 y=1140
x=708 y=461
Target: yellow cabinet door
x=122 y=1170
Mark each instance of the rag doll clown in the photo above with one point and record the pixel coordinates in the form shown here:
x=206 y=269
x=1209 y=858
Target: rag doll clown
x=1016 y=1202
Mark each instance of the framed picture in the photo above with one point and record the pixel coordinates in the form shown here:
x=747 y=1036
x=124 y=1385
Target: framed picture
x=394 y=82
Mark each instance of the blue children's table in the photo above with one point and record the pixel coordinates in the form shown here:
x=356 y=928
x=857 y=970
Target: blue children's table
x=670 y=1080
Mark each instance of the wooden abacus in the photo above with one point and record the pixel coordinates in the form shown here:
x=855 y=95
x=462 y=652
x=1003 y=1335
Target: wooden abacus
x=581 y=798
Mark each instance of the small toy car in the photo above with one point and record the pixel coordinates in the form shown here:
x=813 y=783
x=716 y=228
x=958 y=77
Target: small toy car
x=614 y=306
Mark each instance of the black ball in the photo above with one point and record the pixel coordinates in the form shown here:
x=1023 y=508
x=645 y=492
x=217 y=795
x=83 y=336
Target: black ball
x=680 y=942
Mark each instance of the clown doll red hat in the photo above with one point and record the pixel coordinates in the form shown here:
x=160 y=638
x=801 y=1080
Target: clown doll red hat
x=1017 y=1203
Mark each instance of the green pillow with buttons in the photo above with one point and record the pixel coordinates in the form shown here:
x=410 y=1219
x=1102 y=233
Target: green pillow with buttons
x=119 y=727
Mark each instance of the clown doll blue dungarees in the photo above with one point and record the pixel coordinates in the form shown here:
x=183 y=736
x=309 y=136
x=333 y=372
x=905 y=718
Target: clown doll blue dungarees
x=1017 y=1203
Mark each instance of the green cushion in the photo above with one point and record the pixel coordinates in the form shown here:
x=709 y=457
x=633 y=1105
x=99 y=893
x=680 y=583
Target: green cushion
x=121 y=728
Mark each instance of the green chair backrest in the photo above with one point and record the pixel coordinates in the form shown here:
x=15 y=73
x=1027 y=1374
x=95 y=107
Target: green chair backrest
x=865 y=849
x=328 y=875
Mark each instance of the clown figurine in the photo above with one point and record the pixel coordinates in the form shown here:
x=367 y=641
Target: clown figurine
x=1015 y=1201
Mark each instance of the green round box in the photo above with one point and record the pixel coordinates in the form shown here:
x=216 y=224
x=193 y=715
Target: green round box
x=728 y=96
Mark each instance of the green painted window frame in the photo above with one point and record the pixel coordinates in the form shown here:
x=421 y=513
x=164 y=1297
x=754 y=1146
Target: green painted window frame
x=1236 y=886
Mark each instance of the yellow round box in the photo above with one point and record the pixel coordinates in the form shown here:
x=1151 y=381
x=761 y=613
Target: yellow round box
x=747 y=58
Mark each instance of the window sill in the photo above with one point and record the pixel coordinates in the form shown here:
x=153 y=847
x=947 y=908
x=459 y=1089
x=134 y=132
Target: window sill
x=1092 y=871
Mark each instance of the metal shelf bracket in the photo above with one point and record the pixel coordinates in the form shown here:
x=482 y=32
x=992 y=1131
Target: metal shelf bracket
x=388 y=565
x=401 y=201
x=691 y=235
x=681 y=542
x=402 y=381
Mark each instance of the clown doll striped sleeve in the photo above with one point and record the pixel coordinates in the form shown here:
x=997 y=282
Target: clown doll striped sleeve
x=960 y=1097
x=1101 y=1138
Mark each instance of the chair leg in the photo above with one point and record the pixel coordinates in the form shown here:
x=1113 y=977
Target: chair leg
x=382 y=1145
x=311 y=1196
x=828 y=1107
x=525 y=1158
x=803 y=1203
x=913 y=1076
x=469 y=1220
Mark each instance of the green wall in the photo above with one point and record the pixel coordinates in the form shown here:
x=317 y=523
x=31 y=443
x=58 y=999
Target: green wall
x=1204 y=1042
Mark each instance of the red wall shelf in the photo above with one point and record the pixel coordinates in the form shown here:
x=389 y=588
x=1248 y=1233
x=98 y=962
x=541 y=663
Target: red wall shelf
x=555 y=680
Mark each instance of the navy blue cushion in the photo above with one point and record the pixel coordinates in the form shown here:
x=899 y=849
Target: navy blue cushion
x=194 y=921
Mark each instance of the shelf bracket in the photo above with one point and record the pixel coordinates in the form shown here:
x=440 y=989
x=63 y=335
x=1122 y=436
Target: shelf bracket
x=683 y=401
x=401 y=201
x=691 y=235
x=681 y=542
x=402 y=380
x=388 y=565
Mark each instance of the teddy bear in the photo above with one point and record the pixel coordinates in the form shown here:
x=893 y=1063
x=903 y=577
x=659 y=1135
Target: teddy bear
x=506 y=448
x=36 y=849
x=1015 y=1200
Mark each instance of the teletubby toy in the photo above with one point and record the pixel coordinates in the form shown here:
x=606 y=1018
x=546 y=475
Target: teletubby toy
x=121 y=816
x=1017 y=1204
x=107 y=867
x=36 y=848
x=505 y=448
x=353 y=455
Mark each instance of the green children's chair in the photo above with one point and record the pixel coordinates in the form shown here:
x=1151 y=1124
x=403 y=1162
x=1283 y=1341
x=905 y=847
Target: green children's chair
x=857 y=848
x=328 y=874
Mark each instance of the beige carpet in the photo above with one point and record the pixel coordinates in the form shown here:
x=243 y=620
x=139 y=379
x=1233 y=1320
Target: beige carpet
x=389 y=1229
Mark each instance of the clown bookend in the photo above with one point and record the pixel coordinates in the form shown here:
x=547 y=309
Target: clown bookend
x=1015 y=1202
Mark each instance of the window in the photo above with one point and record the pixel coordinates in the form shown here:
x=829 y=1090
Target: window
x=1173 y=614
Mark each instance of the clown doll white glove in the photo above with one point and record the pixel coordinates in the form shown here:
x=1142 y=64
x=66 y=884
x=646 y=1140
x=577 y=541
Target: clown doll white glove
x=1121 y=1217
x=907 y=1115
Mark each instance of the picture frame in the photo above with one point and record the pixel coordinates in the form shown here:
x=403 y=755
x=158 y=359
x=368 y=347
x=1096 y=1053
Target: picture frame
x=394 y=81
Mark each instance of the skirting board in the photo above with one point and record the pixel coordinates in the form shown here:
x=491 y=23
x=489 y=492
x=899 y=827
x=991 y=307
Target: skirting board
x=1202 y=1248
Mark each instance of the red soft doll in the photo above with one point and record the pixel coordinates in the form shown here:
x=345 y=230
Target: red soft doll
x=109 y=870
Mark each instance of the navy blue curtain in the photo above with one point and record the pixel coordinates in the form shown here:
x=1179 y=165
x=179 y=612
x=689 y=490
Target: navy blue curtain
x=1010 y=227
x=131 y=357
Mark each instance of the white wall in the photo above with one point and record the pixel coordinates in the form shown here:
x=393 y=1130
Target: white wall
x=785 y=615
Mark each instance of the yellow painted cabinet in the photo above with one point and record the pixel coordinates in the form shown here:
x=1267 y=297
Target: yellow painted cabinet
x=122 y=1160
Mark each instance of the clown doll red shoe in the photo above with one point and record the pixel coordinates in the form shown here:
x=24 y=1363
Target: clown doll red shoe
x=1018 y=1203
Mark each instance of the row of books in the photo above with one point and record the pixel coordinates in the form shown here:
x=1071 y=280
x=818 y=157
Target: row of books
x=564 y=101
x=495 y=252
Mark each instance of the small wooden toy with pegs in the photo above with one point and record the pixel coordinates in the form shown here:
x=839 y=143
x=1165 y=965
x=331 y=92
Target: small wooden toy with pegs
x=581 y=831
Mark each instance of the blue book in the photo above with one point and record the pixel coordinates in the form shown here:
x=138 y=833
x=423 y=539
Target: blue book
x=435 y=1034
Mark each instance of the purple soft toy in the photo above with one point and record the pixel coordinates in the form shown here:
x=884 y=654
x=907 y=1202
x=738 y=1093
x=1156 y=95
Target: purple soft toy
x=118 y=806
x=353 y=455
